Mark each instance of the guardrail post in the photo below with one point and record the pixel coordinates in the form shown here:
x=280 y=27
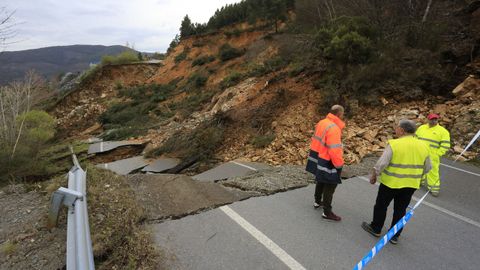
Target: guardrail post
x=79 y=244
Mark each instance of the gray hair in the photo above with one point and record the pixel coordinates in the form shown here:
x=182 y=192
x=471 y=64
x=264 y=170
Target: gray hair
x=336 y=109
x=409 y=126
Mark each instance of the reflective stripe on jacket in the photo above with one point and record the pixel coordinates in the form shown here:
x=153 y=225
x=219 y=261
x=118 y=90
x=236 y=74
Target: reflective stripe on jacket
x=407 y=164
x=327 y=140
x=325 y=159
x=436 y=137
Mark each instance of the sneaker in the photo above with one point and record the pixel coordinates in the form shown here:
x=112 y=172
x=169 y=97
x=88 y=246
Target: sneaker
x=317 y=205
x=331 y=216
x=394 y=240
x=367 y=227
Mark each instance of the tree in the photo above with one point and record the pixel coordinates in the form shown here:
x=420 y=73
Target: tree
x=23 y=131
x=7 y=27
x=140 y=56
x=275 y=12
x=173 y=43
x=186 y=28
x=16 y=99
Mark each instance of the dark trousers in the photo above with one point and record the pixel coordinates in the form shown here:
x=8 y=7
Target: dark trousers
x=401 y=198
x=324 y=194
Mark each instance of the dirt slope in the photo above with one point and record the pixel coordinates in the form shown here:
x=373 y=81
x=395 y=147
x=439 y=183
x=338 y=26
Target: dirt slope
x=272 y=103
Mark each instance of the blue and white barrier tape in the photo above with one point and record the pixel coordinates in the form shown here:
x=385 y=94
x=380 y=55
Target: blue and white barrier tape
x=380 y=244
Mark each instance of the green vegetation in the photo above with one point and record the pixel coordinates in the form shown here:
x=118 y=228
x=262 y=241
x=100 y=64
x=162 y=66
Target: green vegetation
x=228 y=52
x=8 y=248
x=270 y=12
x=131 y=118
x=34 y=129
x=202 y=142
x=192 y=102
x=197 y=80
x=122 y=58
x=353 y=52
x=235 y=32
x=295 y=69
x=231 y=80
x=115 y=217
x=202 y=60
x=174 y=43
x=181 y=56
x=274 y=64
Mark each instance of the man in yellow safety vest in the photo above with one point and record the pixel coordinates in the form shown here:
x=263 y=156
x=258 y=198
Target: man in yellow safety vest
x=401 y=168
x=437 y=138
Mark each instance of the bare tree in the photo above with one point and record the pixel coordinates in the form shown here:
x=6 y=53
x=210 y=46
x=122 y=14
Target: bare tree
x=427 y=10
x=16 y=99
x=8 y=25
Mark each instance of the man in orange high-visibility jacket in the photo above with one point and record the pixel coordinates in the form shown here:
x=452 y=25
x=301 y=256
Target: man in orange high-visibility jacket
x=325 y=160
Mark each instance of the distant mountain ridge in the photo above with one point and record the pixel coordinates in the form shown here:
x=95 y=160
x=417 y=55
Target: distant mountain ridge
x=51 y=61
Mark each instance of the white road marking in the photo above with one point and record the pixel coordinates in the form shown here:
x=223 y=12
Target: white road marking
x=458 y=169
x=263 y=239
x=243 y=165
x=441 y=209
x=101 y=146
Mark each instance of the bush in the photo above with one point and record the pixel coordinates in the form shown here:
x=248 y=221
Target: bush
x=348 y=40
x=197 y=80
x=235 y=32
x=202 y=60
x=350 y=48
x=181 y=56
x=131 y=118
x=227 y=52
x=202 y=142
x=231 y=80
x=274 y=64
x=125 y=57
x=191 y=103
x=38 y=129
x=89 y=73
x=296 y=69
x=257 y=70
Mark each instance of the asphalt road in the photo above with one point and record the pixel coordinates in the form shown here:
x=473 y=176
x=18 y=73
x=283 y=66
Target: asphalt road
x=283 y=231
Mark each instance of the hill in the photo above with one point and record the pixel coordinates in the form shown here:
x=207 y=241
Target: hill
x=52 y=61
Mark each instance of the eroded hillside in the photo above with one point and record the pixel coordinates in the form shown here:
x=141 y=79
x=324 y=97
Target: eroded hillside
x=257 y=105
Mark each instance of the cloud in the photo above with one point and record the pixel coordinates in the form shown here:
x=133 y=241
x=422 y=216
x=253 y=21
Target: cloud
x=149 y=24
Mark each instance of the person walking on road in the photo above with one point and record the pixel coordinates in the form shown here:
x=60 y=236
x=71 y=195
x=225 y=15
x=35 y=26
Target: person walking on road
x=401 y=167
x=437 y=138
x=325 y=160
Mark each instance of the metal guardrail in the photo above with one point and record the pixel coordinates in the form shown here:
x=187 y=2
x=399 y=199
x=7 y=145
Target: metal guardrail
x=79 y=244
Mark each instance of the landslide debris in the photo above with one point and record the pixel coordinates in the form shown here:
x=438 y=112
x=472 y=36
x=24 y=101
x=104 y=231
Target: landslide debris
x=271 y=181
x=169 y=196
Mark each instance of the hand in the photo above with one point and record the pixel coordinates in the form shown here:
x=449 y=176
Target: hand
x=373 y=179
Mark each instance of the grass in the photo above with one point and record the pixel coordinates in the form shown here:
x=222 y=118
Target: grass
x=228 y=52
x=197 y=80
x=202 y=142
x=134 y=116
x=192 y=102
x=231 y=80
x=182 y=56
x=8 y=247
x=202 y=60
x=118 y=238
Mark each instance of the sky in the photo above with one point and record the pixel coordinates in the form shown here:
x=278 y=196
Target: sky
x=147 y=25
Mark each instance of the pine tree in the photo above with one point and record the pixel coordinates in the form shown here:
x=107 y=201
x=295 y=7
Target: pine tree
x=187 y=28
